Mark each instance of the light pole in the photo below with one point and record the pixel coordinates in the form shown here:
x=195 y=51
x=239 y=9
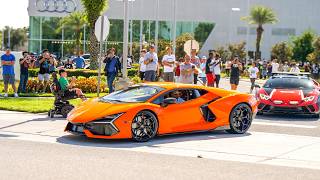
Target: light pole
x=157 y=26
x=230 y=25
x=174 y=26
x=125 y=38
x=248 y=29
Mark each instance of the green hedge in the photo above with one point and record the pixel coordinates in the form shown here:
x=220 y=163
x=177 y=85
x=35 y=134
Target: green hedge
x=82 y=72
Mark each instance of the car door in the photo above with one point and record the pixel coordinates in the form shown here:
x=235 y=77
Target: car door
x=181 y=117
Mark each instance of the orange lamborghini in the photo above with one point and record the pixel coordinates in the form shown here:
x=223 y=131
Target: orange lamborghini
x=144 y=111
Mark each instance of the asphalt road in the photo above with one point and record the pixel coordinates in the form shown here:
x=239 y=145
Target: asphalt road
x=276 y=147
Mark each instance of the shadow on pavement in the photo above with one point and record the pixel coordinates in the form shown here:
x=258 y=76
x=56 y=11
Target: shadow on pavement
x=33 y=120
x=128 y=143
x=286 y=117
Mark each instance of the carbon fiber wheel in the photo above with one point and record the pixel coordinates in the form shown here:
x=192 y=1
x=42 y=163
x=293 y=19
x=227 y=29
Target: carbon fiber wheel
x=144 y=126
x=240 y=119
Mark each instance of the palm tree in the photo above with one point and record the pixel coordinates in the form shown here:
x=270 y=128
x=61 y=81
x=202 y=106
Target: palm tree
x=260 y=15
x=75 y=21
x=93 y=9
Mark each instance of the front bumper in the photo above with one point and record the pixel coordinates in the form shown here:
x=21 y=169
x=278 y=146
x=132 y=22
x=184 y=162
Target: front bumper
x=92 y=129
x=308 y=109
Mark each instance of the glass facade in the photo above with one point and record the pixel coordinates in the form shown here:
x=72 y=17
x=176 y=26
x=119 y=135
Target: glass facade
x=46 y=33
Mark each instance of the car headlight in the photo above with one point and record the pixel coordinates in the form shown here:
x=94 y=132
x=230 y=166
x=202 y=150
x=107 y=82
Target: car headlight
x=264 y=97
x=108 y=118
x=308 y=99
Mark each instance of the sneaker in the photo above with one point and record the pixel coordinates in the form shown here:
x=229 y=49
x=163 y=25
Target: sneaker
x=5 y=95
x=16 y=95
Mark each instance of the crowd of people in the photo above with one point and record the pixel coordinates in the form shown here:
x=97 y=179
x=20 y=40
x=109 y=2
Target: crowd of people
x=189 y=69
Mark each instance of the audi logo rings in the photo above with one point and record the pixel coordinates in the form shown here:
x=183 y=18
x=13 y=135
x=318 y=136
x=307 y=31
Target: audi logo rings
x=61 y=6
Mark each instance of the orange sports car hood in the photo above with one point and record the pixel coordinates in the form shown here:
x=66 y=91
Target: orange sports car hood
x=94 y=109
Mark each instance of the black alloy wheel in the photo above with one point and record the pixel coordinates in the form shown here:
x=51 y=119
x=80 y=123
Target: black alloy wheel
x=240 y=119
x=144 y=126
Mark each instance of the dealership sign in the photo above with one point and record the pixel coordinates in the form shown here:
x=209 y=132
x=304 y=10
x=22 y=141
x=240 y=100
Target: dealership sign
x=53 y=8
x=60 y=6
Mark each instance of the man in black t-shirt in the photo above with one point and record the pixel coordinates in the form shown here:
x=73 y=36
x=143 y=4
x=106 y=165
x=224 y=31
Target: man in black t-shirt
x=236 y=67
x=25 y=63
x=45 y=61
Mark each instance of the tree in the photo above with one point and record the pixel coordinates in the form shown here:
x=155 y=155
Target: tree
x=260 y=15
x=302 y=45
x=202 y=31
x=183 y=38
x=93 y=10
x=75 y=22
x=224 y=53
x=315 y=55
x=282 y=51
x=237 y=49
x=18 y=37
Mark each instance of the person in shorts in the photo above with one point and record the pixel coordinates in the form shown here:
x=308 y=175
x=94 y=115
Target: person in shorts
x=168 y=61
x=45 y=61
x=68 y=88
x=7 y=62
x=236 y=67
x=142 y=66
x=187 y=70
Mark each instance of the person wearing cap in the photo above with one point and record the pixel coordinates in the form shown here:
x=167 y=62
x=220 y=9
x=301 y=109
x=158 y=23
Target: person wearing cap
x=142 y=66
x=202 y=73
x=7 y=61
x=168 y=65
x=68 y=88
x=151 y=62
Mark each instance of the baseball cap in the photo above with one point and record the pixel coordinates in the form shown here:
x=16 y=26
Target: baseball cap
x=204 y=57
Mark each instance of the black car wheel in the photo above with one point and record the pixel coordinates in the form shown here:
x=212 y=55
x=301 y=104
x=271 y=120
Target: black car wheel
x=240 y=119
x=65 y=110
x=144 y=126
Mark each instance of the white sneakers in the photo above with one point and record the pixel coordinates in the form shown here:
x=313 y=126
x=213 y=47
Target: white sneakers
x=6 y=95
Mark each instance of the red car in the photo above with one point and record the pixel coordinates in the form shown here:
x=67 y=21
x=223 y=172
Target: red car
x=289 y=93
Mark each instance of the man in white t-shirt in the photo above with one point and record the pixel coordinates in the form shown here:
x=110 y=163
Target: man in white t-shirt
x=275 y=66
x=168 y=65
x=295 y=68
x=142 y=66
x=253 y=74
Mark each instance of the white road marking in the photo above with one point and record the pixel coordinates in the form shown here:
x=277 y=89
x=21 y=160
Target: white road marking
x=254 y=147
x=283 y=125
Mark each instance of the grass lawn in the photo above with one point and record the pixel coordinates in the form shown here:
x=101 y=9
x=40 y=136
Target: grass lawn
x=32 y=105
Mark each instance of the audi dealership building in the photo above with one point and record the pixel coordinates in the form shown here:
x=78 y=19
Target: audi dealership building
x=213 y=22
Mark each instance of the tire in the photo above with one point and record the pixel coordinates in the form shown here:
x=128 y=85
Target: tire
x=66 y=109
x=240 y=119
x=144 y=126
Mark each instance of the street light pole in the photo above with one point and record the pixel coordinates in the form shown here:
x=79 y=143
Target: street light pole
x=157 y=26
x=174 y=27
x=125 y=39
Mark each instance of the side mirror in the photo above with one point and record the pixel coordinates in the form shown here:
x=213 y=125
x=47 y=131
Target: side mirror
x=168 y=101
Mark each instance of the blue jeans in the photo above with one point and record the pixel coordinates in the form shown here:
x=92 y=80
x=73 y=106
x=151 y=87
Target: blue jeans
x=23 y=83
x=110 y=78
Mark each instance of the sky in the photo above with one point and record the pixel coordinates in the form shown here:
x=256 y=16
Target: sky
x=15 y=14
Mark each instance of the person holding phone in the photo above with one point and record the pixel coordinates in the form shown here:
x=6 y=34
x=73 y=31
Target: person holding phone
x=68 y=88
x=25 y=63
x=112 y=68
x=187 y=70
x=7 y=62
x=44 y=73
x=236 y=67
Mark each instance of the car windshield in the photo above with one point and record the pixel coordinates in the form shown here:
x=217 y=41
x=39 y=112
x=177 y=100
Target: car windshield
x=289 y=83
x=133 y=94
